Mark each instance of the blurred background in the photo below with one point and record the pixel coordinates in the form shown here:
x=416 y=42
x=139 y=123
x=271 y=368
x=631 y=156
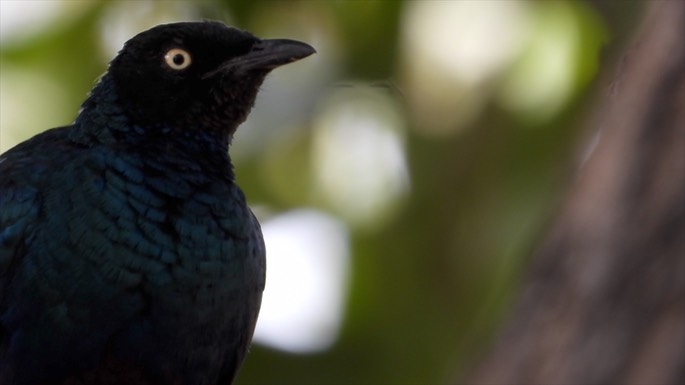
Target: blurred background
x=402 y=174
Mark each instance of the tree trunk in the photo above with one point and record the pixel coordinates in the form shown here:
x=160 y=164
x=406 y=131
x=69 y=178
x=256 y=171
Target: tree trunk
x=604 y=302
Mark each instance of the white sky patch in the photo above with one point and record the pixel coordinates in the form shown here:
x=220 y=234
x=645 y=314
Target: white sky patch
x=20 y=19
x=452 y=51
x=307 y=277
x=466 y=40
x=358 y=155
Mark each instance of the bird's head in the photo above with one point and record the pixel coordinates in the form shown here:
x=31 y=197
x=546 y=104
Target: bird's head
x=195 y=75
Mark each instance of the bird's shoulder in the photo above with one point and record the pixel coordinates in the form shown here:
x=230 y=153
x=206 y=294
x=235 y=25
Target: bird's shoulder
x=24 y=171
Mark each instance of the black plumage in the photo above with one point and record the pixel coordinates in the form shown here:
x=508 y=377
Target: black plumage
x=128 y=253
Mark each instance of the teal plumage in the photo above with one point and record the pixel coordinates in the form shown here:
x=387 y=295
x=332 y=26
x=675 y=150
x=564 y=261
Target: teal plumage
x=128 y=253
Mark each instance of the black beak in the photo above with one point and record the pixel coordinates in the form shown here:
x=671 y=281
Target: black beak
x=268 y=54
x=264 y=56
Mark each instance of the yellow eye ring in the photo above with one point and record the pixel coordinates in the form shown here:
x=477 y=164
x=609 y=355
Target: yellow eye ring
x=177 y=59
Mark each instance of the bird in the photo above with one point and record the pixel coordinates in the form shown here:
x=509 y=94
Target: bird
x=128 y=253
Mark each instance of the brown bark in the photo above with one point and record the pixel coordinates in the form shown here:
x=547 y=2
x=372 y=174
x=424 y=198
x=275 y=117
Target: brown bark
x=605 y=300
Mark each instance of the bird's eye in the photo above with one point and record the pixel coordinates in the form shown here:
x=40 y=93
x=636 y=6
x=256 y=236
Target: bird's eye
x=177 y=58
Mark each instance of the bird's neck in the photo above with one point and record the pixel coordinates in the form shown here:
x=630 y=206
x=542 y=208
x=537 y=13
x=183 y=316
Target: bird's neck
x=102 y=120
x=100 y=117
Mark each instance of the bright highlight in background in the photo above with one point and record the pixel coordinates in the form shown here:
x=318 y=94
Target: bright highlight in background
x=531 y=57
x=21 y=20
x=306 y=284
x=358 y=156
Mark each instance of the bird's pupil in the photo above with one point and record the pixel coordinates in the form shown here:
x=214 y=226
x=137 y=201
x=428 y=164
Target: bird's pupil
x=178 y=59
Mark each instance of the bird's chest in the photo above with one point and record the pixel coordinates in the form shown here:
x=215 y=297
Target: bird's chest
x=171 y=229
x=167 y=260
